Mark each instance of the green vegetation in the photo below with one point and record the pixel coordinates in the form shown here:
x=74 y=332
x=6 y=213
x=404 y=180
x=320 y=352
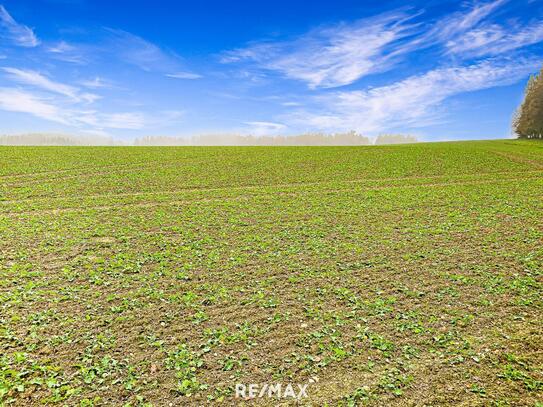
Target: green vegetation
x=384 y=275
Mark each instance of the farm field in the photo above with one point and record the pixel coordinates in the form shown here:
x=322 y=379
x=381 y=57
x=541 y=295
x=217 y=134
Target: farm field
x=390 y=275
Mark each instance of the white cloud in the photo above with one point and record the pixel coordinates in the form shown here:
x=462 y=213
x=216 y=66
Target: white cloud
x=99 y=121
x=333 y=56
x=61 y=48
x=411 y=102
x=95 y=83
x=127 y=120
x=137 y=51
x=493 y=39
x=452 y=27
x=469 y=34
x=16 y=100
x=63 y=104
x=18 y=33
x=65 y=52
x=459 y=23
x=169 y=116
x=184 y=75
x=478 y=13
x=132 y=49
x=291 y=104
x=258 y=128
x=38 y=80
x=340 y=55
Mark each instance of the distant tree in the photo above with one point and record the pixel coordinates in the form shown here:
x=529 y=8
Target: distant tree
x=395 y=139
x=528 y=120
x=52 y=139
x=227 y=139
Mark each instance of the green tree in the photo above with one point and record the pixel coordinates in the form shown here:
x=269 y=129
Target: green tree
x=528 y=120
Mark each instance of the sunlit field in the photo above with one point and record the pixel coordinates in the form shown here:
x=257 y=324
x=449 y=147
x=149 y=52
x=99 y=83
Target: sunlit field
x=379 y=275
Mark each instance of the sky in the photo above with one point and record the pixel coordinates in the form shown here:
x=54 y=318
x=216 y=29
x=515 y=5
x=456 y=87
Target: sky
x=440 y=70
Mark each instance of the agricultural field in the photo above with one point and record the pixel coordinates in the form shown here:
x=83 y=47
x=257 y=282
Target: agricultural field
x=165 y=276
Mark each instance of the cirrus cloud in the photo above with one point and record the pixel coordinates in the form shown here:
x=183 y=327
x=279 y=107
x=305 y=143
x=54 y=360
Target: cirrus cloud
x=412 y=102
x=20 y=34
x=39 y=80
x=333 y=56
x=17 y=100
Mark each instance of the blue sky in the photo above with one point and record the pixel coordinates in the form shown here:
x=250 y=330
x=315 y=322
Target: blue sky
x=435 y=69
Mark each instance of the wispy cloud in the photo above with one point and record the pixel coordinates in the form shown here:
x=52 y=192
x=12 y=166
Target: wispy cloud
x=144 y=54
x=494 y=39
x=38 y=80
x=96 y=83
x=51 y=109
x=17 y=100
x=258 y=128
x=68 y=112
x=411 y=102
x=333 y=56
x=129 y=48
x=18 y=33
x=470 y=34
x=340 y=55
x=66 y=52
x=61 y=48
x=458 y=23
x=290 y=104
x=124 y=120
x=184 y=75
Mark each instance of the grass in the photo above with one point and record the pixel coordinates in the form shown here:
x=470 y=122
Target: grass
x=393 y=275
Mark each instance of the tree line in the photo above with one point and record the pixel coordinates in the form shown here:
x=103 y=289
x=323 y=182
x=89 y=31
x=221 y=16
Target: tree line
x=309 y=139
